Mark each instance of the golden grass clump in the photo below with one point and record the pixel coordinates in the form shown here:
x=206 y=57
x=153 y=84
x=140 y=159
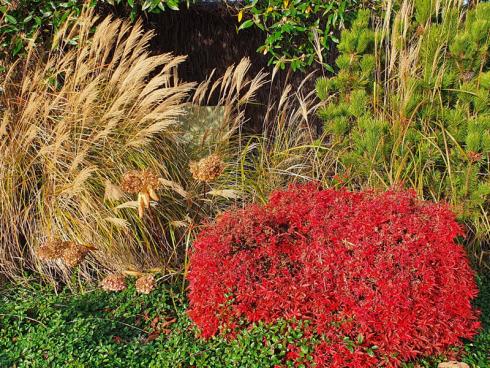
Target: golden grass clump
x=85 y=129
x=73 y=120
x=288 y=150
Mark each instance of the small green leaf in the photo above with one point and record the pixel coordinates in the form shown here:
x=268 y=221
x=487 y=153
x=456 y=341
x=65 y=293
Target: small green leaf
x=173 y=4
x=329 y=68
x=10 y=19
x=18 y=47
x=247 y=24
x=146 y=5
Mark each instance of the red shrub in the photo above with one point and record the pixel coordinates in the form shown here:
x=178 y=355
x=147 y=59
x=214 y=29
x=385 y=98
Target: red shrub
x=379 y=277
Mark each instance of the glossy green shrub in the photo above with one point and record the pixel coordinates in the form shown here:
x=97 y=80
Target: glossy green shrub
x=25 y=21
x=299 y=33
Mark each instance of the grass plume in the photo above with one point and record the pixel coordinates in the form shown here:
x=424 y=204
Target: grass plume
x=72 y=121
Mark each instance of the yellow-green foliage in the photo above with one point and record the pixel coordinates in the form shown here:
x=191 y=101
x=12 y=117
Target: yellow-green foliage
x=411 y=104
x=72 y=122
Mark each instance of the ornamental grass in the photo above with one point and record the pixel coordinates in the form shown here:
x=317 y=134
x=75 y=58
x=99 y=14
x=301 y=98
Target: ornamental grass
x=73 y=121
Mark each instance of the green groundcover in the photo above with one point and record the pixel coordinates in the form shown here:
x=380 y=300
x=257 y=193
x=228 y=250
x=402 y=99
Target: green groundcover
x=93 y=328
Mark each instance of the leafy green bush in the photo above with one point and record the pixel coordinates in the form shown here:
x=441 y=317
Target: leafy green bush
x=40 y=328
x=21 y=21
x=411 y=104
x=298 y=33
x=150 y=6
x=24 y=21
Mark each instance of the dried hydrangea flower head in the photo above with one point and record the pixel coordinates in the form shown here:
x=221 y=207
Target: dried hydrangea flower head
x=453 y=364
x=74 y=254
x=113 y=283
x=50 y=250
x=143 y=182
x=132 y=182
x=207 y=169
x=145 y=284
x=70 y=252
x=150 y=179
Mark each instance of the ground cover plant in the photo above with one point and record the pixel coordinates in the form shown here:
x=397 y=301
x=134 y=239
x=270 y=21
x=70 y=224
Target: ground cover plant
x=41 y=328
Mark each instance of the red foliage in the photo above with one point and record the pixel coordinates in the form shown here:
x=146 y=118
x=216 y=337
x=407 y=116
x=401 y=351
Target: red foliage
x=379 y=277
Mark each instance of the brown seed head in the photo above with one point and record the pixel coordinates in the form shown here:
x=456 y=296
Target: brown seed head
x=113 y=283
x=207 y=169
x=132 y=182
x=145 y=284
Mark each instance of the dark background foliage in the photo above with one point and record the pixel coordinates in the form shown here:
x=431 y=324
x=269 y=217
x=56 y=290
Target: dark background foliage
x=207 y=32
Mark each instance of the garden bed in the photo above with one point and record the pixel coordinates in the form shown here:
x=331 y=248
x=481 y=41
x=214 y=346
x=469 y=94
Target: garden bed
x=93 y=328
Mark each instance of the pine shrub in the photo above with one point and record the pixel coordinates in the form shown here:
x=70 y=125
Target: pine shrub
x=411 y=104
x=373 y=278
